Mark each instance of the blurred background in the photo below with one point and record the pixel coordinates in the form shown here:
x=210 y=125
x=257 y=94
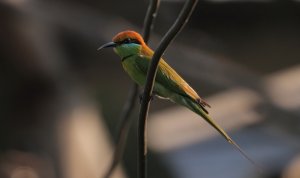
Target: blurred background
x=61 y=98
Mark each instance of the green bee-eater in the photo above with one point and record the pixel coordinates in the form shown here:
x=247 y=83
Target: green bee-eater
x=136 y=56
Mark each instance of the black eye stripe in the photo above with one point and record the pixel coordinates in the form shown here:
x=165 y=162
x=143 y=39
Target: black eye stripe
x=135 y=41
x=129 y=40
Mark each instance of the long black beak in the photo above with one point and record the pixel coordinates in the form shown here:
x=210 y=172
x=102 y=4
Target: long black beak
x=107 y=45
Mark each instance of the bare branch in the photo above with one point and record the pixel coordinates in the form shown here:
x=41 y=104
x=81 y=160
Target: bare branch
x=123 y=129
x=125 y=119
x=150 y=18
x=151 y=74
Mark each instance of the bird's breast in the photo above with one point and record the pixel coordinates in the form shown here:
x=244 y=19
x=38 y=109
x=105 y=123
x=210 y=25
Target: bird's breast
x=133 y=71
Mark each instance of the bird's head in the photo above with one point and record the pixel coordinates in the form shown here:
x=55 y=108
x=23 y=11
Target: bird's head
x=126 y=43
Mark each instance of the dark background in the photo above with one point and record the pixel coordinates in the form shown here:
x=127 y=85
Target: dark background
x=49 y=66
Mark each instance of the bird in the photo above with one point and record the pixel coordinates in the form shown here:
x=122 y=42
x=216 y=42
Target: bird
x=136 y=57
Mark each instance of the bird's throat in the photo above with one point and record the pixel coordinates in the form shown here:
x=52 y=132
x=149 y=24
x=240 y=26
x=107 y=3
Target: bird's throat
x=126 y=57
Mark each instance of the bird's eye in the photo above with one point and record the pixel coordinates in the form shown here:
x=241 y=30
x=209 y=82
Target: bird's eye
x=127 y=40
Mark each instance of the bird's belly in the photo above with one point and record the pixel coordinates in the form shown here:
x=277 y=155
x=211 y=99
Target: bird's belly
x=140 y=78
x=161 y=91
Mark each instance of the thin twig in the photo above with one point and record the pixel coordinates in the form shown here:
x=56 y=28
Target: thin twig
x=151 y=74
x=125 y=119
x=123 y=129
x=150 y=18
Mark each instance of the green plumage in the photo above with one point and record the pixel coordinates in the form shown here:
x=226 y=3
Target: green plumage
x=136 y=57
x=137 y=66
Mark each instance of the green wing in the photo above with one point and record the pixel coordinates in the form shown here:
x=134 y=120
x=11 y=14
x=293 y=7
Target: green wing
x=168 y=77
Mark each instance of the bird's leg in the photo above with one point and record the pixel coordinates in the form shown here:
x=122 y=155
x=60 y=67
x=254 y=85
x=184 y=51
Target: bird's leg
x=141 y=95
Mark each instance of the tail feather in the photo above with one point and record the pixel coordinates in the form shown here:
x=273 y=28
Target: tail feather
x=204 y=114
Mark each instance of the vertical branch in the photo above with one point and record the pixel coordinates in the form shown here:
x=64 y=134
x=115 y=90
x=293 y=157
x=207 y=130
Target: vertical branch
x=149 y=19
x=123 y=129
x=151 y=74
x=128 y=107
